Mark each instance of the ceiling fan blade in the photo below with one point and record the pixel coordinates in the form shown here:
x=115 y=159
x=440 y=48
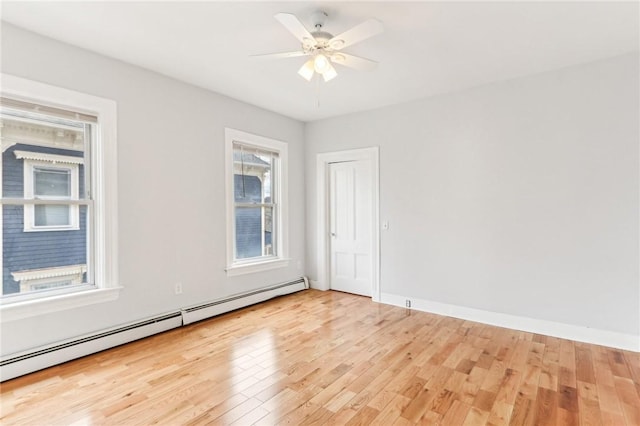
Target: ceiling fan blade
x=356 y=34
x=280 y=55
x=293 y=24
x=352 y=61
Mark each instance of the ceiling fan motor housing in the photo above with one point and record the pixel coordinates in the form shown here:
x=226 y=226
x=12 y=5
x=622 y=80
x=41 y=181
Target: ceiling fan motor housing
x=320 y=42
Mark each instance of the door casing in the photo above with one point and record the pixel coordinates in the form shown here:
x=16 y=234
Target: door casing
x=323 y=261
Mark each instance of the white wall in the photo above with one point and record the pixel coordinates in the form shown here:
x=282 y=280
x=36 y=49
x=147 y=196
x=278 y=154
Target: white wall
x=171 y=186
x=519 y=197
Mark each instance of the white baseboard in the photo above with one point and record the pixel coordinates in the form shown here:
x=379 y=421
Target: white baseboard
x=532 y=325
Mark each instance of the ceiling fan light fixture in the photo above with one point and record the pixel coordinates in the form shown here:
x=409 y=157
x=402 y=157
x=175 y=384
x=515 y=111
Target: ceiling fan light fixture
x=321 y=63
x=307 y=70
x=329 y=74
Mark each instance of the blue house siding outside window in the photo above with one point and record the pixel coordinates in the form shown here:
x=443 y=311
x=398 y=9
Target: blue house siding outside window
x=24 y=251
x=248 y=189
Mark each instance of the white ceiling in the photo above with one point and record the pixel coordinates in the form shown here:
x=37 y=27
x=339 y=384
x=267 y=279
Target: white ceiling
x=427 y=47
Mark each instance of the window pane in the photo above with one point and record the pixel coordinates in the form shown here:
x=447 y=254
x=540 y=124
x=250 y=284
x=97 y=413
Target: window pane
x=267 y=187
x=52 y=215
x=248 y=189
x=265 y=177
x=41 y=260
x=269 y=231
x=248 y=232
x=253 y=172
x=53 y=284
x=48 y=162
x=254 y=232
x=52 y=182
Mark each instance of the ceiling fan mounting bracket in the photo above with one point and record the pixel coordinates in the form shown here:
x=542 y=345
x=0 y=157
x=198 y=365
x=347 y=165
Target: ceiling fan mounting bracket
x=319 y=18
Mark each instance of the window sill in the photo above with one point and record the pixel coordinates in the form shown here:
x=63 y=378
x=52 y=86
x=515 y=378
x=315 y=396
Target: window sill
x=249 y=268
x=46 y=305
x=52 y=228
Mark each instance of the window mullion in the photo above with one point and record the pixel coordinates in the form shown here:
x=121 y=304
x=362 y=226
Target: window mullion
x=237 y=204
x=51 y=201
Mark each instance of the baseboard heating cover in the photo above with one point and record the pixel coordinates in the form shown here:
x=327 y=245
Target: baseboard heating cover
x=34 y=360
x=16 y=365
x=207 y=310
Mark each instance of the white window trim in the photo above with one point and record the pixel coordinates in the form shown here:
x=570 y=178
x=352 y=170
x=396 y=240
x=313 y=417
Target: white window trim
x=247 y=266
x=105 y=184
x=29 y=209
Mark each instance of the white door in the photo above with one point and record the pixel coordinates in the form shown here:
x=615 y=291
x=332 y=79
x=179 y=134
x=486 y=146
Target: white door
x=350 y=226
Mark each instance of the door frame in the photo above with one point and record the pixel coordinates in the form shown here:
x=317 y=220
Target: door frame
x=322 y=232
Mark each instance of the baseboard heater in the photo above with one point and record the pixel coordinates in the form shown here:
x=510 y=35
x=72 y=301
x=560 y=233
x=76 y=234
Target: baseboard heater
x=16 y=365
x=211 y=309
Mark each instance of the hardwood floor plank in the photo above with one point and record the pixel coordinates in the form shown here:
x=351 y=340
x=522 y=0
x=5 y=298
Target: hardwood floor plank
x=251 y=417
x=589 y=412
x=391 y=411
x=209 y=413
x=500 y=413
x=584 y=364
x=456 y=414
x=316 y=358
x=546 y=407
x=476 y=417
x=363 y=417
x=484 y=400
x=567 y=418
x=523 y=413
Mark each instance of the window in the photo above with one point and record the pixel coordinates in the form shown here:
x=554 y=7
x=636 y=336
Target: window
x=52 y=183
x=50 y=177
x=256 y=203
x=58 y=199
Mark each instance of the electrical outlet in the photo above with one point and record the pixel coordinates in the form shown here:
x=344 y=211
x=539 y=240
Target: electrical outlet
x=408 y=303
x=178 y=288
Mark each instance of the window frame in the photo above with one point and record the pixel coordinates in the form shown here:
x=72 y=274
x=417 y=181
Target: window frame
x=279 y=199
x=103 y=243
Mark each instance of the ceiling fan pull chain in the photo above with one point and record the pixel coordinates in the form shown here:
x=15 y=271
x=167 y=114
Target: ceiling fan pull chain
x=318 y=92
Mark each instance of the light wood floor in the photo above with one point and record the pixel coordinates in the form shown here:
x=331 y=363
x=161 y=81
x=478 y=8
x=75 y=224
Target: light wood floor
x=333 y=358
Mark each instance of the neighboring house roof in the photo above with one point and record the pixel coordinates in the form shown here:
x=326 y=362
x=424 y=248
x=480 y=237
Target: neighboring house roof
x=248 y=159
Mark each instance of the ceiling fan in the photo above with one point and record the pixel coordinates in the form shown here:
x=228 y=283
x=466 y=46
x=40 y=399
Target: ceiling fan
x=324 y=48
